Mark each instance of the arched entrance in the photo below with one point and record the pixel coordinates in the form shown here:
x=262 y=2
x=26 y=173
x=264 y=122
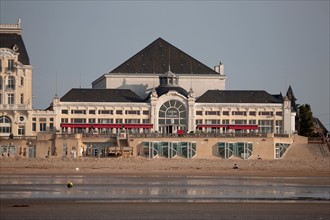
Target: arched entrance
x=172 y=117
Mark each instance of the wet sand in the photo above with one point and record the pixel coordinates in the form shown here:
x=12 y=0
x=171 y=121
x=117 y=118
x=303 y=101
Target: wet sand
x=150 y=168
x=33 y=210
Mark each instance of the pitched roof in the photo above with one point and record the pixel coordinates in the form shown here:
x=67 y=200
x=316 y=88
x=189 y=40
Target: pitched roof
x=9 y=40
x=155 y=59
x=161 y=90
x=101 y=95
x=237 y=96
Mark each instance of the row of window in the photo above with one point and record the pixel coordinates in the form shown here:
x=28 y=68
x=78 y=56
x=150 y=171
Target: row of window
x=10 y=100
x=104 y=121
x=242 y=113
x=104 y=112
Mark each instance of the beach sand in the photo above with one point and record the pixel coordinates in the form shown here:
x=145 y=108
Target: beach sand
x=65 y=209
x=161 y=166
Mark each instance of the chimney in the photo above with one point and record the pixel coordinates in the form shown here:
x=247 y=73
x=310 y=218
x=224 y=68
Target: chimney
x=220 y=69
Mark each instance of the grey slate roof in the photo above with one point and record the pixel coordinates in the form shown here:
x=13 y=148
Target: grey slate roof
x=155 y=59
x=161 y=90
x=237 y=96
x=101 y=95
x=9 y=40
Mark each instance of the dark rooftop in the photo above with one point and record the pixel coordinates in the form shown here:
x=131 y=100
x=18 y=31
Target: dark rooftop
x=8 y=40
x=155 y=59
x=101 y=95
x=161 y=90
x=237 y=96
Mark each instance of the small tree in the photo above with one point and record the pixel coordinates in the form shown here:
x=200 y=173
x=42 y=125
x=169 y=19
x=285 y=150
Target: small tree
x=306 y=120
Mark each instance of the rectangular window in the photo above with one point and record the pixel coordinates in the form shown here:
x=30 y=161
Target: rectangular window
x=21 y=130
x=132 y=121
x=266 y=126
x=64 y=120
x=105 y=120
x=92 y=120
x=105 y=112
x=239 y=122
x=145 y=121
x=199 y=112
x=65 y=111
x=212 y=113
x=278 y=113
x=199 y=122
x=42 y=126
x=145 y=112
x=11 y=65
x=11 y=83
x=265 y=113
x=212 y=122
x=22 y=81
x=34 y=126
x=239 y=113
x=78 y=120
x=252 y=122
x=91 y=112
x=253 y=113
x=278 y=127
x=225 y=122
x=22 y=98
x=132 y=112
x=119 y=112
x=51 y=126
x=78 y=112
x=0 y=97
x=225 y=113
x=11 y=99
x=119 y=121
x=51 y=119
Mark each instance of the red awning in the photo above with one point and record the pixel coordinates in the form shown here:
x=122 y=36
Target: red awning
x=138 y=126
x=211 y=126
x=243 y=127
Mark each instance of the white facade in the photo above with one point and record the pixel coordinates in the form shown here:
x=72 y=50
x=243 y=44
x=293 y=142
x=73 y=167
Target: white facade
x=142 y=84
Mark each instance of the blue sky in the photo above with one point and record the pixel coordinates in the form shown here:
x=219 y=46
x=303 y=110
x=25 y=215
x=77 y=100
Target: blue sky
x=264 y=45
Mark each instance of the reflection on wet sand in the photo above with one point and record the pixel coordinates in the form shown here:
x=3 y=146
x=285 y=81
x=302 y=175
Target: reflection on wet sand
x=156 y=188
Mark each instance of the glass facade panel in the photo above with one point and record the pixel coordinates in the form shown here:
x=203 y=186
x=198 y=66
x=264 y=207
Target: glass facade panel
x=241 y=149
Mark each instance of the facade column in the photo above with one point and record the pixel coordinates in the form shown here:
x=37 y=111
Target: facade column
x=191 y=112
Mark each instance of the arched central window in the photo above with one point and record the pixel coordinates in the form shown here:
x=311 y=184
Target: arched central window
x=172 y=117
x=5 y=126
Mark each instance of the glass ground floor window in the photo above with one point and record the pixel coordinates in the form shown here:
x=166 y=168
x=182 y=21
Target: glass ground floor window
x=227 y=150
x=99 y=149
x=280 y=149
x=168 y=149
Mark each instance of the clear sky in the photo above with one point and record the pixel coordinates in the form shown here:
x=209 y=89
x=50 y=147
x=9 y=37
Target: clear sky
x=264 y=45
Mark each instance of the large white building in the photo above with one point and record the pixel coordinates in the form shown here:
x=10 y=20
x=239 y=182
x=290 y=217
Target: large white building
x=161 y=89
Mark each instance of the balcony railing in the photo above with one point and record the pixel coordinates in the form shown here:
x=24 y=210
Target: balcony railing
x=10 y=69
x=10 y=87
